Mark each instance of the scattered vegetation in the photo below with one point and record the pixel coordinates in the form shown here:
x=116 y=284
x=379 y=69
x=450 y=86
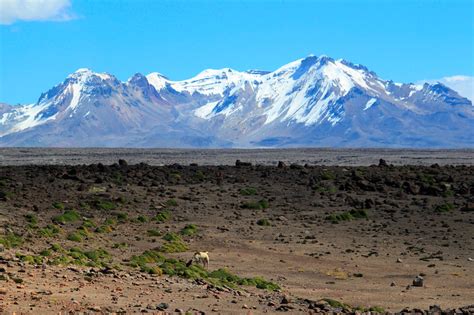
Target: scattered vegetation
x=261 y=204
x=152 y=261
x=347 y=216
x=30 y=259
x=49 y=231
x=76 y=256
x=11 y=240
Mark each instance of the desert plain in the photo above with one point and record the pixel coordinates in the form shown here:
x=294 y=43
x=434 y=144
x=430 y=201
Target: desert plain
x=306 y=235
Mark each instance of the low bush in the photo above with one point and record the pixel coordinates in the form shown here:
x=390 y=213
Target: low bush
x=347 y=216
x=67 y=217
x=263 y=222
x=447 y=207
x=261 y=204
x=162 y=216
x=189 y=230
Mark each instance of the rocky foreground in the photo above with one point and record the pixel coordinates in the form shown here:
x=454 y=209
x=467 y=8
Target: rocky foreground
x=291 y=238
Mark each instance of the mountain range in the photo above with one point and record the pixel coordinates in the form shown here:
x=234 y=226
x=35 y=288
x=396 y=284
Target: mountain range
x=310 y=102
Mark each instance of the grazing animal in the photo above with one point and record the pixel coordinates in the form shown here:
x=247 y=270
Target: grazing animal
x=200 y=258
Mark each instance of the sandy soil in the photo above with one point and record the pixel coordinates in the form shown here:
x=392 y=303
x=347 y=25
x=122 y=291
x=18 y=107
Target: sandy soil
x=406 y=221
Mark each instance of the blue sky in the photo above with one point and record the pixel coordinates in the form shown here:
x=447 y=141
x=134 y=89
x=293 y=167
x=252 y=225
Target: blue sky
x=404 y=40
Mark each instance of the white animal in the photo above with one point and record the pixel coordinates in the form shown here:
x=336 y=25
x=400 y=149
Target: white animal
x=200 y=258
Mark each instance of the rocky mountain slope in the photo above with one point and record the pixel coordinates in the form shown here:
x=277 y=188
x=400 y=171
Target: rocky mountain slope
x=315 y=101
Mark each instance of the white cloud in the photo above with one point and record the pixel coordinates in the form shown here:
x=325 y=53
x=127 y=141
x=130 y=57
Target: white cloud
x=462 y=84
x=34 y=10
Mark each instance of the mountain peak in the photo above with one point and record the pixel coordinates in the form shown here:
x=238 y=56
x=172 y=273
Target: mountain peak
x=82 y=70
x=313 y=101
x=86 y=73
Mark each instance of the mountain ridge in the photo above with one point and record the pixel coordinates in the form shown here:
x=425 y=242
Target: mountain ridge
x=313 y=101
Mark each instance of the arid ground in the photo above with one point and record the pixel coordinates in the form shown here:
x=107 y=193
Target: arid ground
x=295 y=238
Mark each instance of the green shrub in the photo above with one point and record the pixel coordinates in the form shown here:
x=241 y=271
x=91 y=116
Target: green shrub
x=199 y=175
x=97 y=255
x=66 y=217
x=49 y=231
x=87 y=223
x=145 y=259
x=58 y=205
x=45 y=252
x=263 y=222
x=31 y=218
x=328 y=175
x=107 y=227
x=447 y=207
x=122 y=217
x=142 y=219
x=174 y=244
x=227 y=278
x=347 y=216
x=56 y=247
x=30 y=259
x=102 y=204
x=110 y=221
x=337 y=304
x=104 y=229
x=79 y=235
x=261 y=204
x=171 y=237
x=76 y=256
x=162 y=216
x=189 y=230
x=75 y=237
x=105 y=205
x=171 y=203
x=173 y=247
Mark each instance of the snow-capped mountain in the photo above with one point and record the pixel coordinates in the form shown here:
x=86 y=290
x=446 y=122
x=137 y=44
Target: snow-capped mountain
x=314 y=101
